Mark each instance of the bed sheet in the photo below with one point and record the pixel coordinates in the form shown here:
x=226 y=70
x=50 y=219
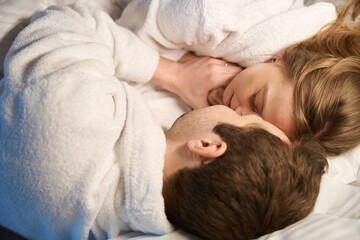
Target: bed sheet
x=337 y=213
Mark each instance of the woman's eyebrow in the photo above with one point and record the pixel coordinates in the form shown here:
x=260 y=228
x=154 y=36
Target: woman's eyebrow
x=264 y=98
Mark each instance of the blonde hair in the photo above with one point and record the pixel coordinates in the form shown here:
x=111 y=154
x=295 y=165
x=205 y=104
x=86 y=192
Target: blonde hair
x=326 y=71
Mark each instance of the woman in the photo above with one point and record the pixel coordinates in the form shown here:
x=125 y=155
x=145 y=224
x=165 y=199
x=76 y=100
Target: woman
x=309 y=87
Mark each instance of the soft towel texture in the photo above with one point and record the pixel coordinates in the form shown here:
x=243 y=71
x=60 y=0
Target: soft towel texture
x=79 y=152
x=166 y=108
x=240 y=31
x=16 y=14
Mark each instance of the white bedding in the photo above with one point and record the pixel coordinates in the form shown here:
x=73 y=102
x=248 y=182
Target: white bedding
x=337 y=213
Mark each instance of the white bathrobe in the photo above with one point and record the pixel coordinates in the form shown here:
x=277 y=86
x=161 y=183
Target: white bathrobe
x=79 y=152
x=240 y=31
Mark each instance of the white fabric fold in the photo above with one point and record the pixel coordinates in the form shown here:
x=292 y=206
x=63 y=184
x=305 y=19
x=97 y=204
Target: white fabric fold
x=240 y=31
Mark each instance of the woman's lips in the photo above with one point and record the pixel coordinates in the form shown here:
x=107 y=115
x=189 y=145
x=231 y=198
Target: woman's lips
x=228 y=104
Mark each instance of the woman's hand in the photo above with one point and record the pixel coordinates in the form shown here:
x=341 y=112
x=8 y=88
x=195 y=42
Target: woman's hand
x=215 y=96
x=193 y=78
x=198 y=76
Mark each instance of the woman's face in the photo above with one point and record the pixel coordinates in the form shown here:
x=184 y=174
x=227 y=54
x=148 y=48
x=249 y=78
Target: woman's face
x=262 y=88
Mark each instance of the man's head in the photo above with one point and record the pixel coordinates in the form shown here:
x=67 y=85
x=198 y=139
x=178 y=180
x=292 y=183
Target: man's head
x=257 y=184
x=191 y=141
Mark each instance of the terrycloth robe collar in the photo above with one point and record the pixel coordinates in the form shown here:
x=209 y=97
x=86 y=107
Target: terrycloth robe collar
x=143 y=147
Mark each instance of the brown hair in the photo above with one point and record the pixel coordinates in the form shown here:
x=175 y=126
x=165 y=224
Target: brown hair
x=326 y=72
x=258 y=186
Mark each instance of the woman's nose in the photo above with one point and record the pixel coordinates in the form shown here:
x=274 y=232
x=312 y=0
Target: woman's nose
x=238 y=110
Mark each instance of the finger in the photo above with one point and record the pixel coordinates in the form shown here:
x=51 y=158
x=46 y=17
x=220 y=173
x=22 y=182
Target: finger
x=221 y=80
x=197 y=101
x=232 y=68
x=187 y=57
x=227 y=64
x=201 y=104
x=228 y=75
x=218 y=61
x=215 y=96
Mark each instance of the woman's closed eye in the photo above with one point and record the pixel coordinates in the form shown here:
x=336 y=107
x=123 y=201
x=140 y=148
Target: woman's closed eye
x=258 y=100
x=253 y=101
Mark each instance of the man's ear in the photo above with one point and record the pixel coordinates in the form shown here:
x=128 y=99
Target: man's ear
x=207 y=149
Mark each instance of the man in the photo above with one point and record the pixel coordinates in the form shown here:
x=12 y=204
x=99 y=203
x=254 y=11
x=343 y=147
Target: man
x=81 y=156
